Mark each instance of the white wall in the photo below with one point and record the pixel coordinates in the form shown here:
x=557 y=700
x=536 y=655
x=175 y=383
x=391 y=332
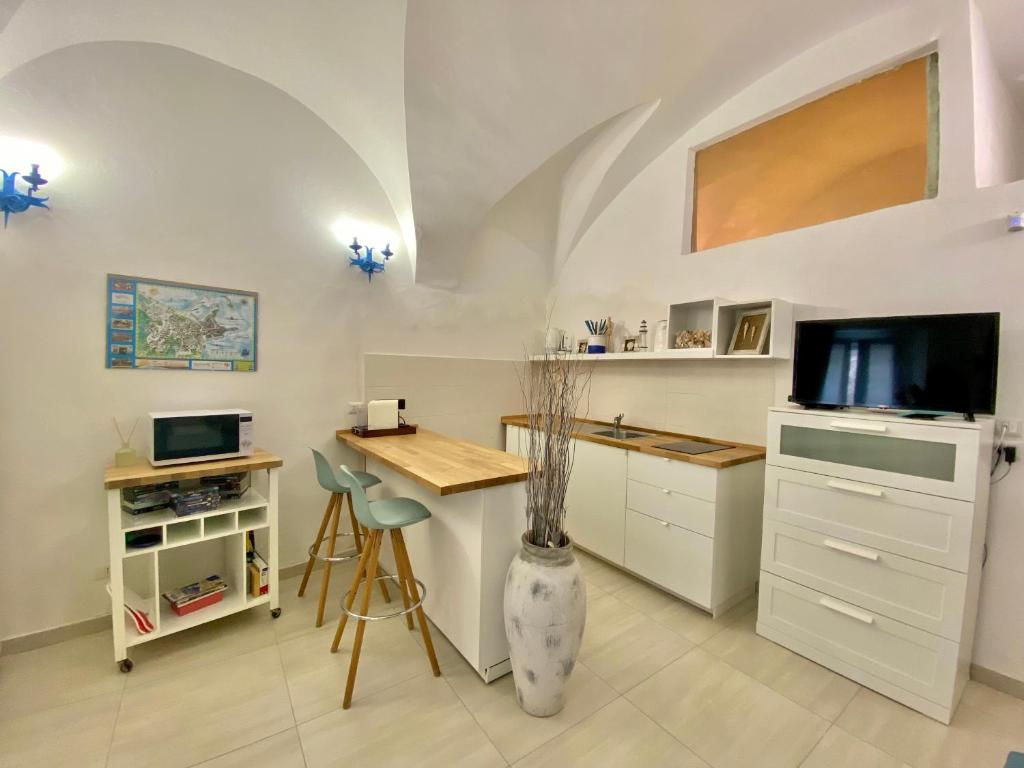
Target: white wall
x=184 y=169
x=949 y=254
x=998 y=123
x=464 y=397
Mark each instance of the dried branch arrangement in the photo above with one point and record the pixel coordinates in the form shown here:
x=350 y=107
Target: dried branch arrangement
x=553 y=389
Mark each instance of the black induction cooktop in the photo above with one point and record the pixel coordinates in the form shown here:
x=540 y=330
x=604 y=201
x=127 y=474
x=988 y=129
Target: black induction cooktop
x=692 y=447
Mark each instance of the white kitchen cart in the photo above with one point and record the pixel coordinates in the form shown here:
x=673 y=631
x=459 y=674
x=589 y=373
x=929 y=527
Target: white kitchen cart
x=190 y=548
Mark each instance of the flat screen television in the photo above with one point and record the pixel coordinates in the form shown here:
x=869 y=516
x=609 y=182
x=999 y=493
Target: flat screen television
x=922 y=363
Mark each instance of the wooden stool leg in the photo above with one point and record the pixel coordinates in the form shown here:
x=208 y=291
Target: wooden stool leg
x=371 y=567
x=350 y=597
x=358 y=532
x=415 y=593
x=327 y=565
x=317 y=543
x=402 y=583
x=355 y=530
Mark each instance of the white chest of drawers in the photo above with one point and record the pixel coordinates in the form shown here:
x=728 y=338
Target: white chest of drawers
x=874 y=529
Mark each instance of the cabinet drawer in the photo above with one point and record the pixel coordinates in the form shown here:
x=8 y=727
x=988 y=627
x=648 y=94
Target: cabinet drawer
x=691 y=479
x=916 y=525
x=935 y=459
x=915 y=593
x=910 y=658
x=672 y=507
x=677 y=559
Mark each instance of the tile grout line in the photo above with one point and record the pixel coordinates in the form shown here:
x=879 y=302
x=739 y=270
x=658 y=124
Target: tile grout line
x=291 y=703
x=475 y=721
x=655 y=672
x=671 y=735
x=592 y=714
x=783 y=695
x=117 y=717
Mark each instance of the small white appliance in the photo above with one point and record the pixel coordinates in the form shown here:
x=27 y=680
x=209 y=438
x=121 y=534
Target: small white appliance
x=183 y=437
x=383 y=414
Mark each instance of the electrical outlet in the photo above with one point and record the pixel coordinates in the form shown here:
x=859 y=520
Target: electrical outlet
x=1013 y=427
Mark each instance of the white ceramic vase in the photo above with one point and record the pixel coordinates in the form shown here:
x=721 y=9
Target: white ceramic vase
x=545 y=612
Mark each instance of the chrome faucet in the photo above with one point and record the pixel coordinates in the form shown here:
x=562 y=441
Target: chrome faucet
x=618 y=422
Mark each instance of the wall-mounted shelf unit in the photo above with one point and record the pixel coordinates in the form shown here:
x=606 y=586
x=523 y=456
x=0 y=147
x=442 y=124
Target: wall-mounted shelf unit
x=719 y=316
x=780 y=330
x=187 y=549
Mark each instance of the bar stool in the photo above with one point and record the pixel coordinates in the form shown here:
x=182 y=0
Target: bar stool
x=390 y=515
x=329 y=482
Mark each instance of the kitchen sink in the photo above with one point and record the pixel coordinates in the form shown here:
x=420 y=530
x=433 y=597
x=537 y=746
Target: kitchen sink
x=620 y=434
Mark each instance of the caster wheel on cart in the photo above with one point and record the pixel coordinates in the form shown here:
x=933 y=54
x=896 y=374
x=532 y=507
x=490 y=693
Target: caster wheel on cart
x=275 y=613
x=126 y=665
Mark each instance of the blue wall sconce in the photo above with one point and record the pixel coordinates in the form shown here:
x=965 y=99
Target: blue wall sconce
x=365 y=261
x=13 y=201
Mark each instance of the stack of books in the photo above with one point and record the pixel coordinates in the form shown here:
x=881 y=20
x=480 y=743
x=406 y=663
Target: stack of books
x=228 y=486
x=192 y=597
x=199 y=500
x=147 y=498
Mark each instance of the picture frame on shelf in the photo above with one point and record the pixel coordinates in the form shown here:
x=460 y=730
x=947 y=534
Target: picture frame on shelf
x=629 y=343
x=581 y=347
x=750 y=332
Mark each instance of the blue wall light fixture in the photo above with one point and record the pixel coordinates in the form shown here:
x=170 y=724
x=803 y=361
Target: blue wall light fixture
x=365 y=261
x=13 y=201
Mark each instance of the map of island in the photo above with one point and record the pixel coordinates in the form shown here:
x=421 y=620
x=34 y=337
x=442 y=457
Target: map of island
x=175 y=325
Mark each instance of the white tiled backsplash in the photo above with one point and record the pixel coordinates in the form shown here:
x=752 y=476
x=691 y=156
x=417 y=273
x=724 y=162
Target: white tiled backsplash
x=461 y=397
x=723 y=399
x=466 y=397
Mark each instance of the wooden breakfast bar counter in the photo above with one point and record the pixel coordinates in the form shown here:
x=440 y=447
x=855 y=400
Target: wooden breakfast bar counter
x=477 y=502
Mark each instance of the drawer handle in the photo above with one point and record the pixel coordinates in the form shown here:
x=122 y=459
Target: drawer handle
x=853 y=613
x=665 y=491
x=865 y=490
x=859 y=426
x=842 y=546
x=663 y=523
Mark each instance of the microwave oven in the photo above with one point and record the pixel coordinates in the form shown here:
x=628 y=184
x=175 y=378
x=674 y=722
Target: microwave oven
x=182 y=437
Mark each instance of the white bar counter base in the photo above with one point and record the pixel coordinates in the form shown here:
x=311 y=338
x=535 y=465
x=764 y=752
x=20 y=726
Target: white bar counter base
x=228 y=524
x=477 y=502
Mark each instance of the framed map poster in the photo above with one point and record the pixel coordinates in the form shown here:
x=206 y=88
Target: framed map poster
x=178 y=326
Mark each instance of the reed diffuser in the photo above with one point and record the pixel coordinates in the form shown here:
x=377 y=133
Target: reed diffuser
x=125 y=456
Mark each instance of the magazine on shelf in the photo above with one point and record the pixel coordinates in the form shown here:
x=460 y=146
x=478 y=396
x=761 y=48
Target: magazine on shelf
x=192 y=592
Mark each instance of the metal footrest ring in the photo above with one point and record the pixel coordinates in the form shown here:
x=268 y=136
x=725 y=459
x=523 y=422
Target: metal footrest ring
x=354 y=553
x=393 y=614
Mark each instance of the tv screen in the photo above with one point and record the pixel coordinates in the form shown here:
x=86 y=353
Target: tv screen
x=937 y=363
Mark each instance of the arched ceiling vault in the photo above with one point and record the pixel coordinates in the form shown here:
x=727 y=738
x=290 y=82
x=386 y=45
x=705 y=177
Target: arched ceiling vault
x=452 y=104
x=341 y=59
x=494 y=88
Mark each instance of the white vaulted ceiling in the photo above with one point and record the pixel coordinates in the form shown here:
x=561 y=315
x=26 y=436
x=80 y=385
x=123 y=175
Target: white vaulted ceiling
x=454 y=104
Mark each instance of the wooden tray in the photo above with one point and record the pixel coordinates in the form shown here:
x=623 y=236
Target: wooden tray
x=404 y=429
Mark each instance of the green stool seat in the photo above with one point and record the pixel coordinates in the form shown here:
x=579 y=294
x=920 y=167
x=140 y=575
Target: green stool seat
x=394 y=513
x=390 y=515
x=330 y=481
x=339 y=488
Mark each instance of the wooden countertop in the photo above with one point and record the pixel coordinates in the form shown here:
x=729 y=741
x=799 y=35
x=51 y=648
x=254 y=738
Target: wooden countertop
x=442 y=464
x=144 y=473
x=736 y=453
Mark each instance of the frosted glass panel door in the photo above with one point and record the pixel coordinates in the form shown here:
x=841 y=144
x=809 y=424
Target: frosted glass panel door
x=919 y=458
x=888 y=452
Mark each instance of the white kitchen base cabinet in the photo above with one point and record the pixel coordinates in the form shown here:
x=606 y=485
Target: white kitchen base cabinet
x=693 y=530
x=595 y=500
x=874 y=529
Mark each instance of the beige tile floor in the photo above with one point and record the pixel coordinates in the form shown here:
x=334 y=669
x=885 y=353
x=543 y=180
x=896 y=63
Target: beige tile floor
x=658 y=684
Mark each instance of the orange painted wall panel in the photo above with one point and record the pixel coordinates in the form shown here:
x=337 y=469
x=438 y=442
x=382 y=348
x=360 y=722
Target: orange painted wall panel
x=859 y=149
